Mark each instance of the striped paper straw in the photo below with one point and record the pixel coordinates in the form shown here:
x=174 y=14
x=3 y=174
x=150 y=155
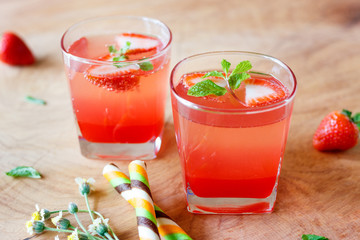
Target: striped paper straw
x=144 y=205
x=167 y=227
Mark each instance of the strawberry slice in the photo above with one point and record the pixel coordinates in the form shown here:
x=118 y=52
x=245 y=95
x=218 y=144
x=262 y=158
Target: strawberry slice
x=191 y=79
x=113 y=78
x=140 y=44
x=79 y=48
x=261 y=92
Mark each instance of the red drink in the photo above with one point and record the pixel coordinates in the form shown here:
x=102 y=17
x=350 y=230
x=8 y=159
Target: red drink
x=131 y=113
x=231 y=151
x=118 y=103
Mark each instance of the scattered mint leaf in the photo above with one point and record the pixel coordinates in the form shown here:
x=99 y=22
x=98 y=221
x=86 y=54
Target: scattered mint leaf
x=213 y=74
x=243 y=66
x=24 y=171
x=312 y=237
x=35 y=100
x=236 y=79
x=206 y=87
x=146 y=66
x=225 y=66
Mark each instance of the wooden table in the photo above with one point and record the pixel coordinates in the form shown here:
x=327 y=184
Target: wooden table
x=318 y=192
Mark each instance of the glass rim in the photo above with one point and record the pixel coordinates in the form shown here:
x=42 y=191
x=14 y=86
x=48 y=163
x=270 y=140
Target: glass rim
x=218 y=110
x=94 y=61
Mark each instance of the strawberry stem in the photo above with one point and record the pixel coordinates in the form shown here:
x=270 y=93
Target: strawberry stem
x=228 y=88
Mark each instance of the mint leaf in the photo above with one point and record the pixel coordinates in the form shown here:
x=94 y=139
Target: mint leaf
x=225 y=66
x=146 y=66
x=117 y=59
x=35 y=100
x=312 y=237
x=206 y=87
x=233 y=80
x=236 y=79
x=126 y=48
x=243 y=66
x=119 y=55
x=112 y=49
x=213 y=74
x=24 y=171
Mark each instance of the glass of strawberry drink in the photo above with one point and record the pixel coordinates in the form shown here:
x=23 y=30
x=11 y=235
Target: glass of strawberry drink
x=231 y=115
x=117 y=68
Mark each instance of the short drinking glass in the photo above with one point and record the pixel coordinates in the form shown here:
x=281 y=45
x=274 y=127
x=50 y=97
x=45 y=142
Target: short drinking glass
x=117 y=68
x=231 y=146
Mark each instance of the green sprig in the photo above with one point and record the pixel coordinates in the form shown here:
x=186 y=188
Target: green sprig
x=103 y=230
x=120 y=55
x=233 y=80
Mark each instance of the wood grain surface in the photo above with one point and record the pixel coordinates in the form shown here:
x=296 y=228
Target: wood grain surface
x=318 y=192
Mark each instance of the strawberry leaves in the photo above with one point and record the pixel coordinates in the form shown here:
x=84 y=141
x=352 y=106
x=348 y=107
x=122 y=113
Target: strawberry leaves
x=234 y=80
x=355 y=119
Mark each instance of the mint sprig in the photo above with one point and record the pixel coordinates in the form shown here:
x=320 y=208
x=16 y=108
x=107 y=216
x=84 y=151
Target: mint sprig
x=120 y=55
x=112 y=49
x=233 y=80
x=23 y=171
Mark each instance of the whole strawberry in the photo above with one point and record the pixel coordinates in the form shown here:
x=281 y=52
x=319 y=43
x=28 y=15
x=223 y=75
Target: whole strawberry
x=337 y=131
x=14 y=51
